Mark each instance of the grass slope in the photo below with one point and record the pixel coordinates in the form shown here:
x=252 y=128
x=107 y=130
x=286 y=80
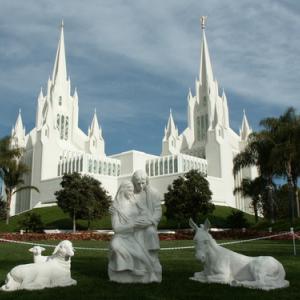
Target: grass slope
x=89 y=268
x=54 y=218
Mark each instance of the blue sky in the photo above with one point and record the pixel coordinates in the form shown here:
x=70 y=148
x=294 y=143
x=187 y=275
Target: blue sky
x=134 y=60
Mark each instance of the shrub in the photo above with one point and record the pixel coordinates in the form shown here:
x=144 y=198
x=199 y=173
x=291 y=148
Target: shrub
x=31 y=222
x=237 y=219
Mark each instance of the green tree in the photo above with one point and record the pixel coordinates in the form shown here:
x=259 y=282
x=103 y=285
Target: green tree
x=284 y=132
x=187 y=197
x=258 y=152
x=2 y=209
x=97 y=201
x=31 y=221
x=237 y=219
x=82 y=197
x=254 y=189
x=13 y=171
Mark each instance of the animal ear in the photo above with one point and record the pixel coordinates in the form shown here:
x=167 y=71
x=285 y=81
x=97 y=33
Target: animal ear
x=207 y=225
x=43 y=249
x=193 y=224
x=31 y=250
x=56 y=249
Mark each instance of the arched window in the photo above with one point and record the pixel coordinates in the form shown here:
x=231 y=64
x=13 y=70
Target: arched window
x=62 y=123
x=90 y=166
x=156 y=168
x=119 y=170
x=100 y=167
x=67 y=128
x=57 y=121
x=175 y=164
x=95 y=166
x=166 y=171
x=147 y=168
x=109 y=168
x=81 y=164
x=77 y=164
x=104 y=168
x=58 y=170
x=171 y=164
x=73 y=165
x=198 y=129
x=60 y=100
x=161 y=167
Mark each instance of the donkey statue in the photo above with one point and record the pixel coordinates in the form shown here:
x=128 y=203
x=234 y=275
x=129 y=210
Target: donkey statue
x=222 y=265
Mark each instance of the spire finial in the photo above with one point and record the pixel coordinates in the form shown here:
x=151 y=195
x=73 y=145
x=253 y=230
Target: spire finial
x=20 y=111
x=62 y=23
x=244 y=111
x=95 y=111
x=203 y=22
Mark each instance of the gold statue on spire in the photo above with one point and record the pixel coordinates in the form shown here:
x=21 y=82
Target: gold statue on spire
x=203 y=21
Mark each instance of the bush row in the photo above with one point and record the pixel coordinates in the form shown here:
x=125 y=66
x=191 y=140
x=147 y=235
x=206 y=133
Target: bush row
x=184 y=234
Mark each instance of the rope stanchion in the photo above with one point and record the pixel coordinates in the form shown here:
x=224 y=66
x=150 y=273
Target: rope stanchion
x=165 y=248
x=294 y=242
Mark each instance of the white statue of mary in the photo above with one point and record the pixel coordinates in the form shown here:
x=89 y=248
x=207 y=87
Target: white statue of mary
x=129 y=260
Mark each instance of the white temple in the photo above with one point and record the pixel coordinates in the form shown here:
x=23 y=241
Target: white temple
x=57 y=145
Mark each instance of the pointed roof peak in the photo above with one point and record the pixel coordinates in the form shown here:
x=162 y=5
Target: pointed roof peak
x=205 y=71
x=171 y=128
x=60 y=68
x=246 y=130
x=41 y=95
x=62 y=23
x=95 y=129
x=19 y=123
x=75 y=95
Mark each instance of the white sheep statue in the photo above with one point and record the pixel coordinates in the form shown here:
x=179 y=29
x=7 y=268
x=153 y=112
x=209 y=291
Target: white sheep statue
x=56 y=271
x=222 y=265
x=37 y=254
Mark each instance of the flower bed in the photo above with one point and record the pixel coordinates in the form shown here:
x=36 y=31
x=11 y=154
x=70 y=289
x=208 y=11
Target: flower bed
x=185 y=234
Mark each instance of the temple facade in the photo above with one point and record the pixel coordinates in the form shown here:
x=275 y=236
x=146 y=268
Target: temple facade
x=56 y=145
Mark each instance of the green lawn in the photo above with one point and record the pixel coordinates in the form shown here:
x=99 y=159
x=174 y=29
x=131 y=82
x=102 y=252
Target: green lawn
x=54 y=218
x=89 y=269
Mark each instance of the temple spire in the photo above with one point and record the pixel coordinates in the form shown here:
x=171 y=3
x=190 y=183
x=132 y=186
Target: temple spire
x=60 y=67
x=95 y=129
x=246 y=130
x=205 y=72
x=171 y=128
x=18 y=132
x=225 y=110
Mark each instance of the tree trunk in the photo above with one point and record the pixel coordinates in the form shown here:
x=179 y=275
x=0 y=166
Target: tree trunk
x=296 y=197
x=8 y=201
x=271 y=202
x=74 y=222
x=291 y=200
x=255 y=213
x=290 y=193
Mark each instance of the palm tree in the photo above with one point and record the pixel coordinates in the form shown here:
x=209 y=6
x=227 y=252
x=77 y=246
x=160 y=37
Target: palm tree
x=253 y=189
x=12 y=173
x=285 y=133
x=258 y=153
